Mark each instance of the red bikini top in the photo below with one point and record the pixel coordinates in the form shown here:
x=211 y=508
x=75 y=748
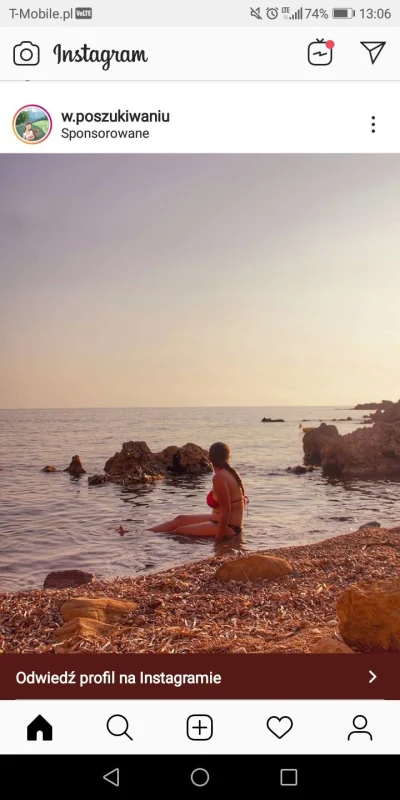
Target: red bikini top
x=213 y=503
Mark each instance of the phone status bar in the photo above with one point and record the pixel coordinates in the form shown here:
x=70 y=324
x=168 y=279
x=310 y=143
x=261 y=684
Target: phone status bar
x=337 y=15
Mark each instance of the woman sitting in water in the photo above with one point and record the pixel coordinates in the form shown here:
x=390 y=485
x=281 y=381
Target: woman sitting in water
x=226 y=499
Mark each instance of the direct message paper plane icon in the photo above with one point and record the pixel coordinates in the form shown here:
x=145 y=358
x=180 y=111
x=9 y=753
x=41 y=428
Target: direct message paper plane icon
x=374 y=49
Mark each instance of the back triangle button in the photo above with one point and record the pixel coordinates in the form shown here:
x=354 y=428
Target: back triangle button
x=112 y=777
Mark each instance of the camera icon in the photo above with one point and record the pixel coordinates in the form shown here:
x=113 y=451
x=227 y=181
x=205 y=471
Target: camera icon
x=26 y=54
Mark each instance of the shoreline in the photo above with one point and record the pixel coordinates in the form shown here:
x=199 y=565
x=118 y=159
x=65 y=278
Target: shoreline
x=185 y=609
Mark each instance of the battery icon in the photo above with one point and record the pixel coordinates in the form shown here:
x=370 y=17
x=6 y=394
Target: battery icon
x=343 y=13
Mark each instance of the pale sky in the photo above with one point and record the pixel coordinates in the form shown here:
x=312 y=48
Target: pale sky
x=199 y=280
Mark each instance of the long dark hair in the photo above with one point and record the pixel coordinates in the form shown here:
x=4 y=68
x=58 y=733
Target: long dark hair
x=219 y=455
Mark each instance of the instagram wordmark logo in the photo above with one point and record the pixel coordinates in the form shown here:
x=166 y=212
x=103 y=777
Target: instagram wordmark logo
x=104 y=57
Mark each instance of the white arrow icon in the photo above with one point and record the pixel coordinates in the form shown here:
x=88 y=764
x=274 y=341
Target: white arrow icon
x=112 y=777
x=373 y=676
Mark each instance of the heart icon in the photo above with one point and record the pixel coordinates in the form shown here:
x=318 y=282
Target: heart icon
x=279 y=726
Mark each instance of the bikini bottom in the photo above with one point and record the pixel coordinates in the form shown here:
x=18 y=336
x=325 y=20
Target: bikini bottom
x=235 y=528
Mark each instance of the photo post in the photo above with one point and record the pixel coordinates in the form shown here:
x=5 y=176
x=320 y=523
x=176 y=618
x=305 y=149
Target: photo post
x=199 y=395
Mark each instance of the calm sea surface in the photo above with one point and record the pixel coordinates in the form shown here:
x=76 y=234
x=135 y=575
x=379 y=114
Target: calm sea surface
x=53 y=521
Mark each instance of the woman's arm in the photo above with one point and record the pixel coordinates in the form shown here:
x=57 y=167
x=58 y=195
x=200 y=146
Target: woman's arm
x=224 y=499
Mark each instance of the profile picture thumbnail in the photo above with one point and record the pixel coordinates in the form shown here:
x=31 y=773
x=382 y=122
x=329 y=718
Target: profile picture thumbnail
x=32 y=124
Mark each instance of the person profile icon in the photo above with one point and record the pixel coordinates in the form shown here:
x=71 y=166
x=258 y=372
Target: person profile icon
x=360 y=723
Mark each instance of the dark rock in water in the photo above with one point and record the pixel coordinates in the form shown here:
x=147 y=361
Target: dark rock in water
x=67 y=579
x=49 y=469
x=132 y=455
x=136 y=463
x=300 y=470
x=75 y=467
x=187 y=460
x=314 y=441
x=268 y=419
x=372 y=450
x=96 y=480
x=369 y=525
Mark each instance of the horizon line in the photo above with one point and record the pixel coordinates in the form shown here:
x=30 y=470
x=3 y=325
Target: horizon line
x=126 y=408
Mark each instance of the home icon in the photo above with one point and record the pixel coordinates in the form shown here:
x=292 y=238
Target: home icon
x=37 y=726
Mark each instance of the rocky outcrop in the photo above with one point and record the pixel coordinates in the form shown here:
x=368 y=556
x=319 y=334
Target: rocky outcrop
x=315 y=439
x=67 y=579
x=332 y=646
x=187 y=460
x=135 y=463
x=369 y=616
x=389 y=412
x=253 y=568
x=370 y=452
x=268 y=419
x=384 y=404
x=102 y=609
x=75 y=467
x=131 y=456
x=49 y=469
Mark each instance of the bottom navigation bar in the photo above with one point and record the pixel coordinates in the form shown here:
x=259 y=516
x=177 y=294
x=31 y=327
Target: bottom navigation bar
x=202 y=728
x=102 y=775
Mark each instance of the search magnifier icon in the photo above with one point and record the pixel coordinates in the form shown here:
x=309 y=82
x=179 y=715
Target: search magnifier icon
x=118 y=725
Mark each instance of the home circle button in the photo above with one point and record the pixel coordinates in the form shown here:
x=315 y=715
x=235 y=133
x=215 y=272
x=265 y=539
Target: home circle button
x=200 y=777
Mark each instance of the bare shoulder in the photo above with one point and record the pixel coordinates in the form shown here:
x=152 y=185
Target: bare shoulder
x=219 y=479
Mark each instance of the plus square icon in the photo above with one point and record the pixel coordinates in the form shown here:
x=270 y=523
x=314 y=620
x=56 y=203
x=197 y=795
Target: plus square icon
x=199 y=727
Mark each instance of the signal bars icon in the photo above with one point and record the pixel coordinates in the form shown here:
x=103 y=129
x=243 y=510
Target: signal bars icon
x=298 y=14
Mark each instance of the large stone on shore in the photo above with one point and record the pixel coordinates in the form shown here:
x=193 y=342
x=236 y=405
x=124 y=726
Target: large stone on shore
x=102 y=609
x=84 y=628
x=253 y=568
x=135 y=463
x=67 y=579
x=314 y=441
x=368 y=525
x=75 y=467
x=369 y=616
x=370 y=452
x=329 y=646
